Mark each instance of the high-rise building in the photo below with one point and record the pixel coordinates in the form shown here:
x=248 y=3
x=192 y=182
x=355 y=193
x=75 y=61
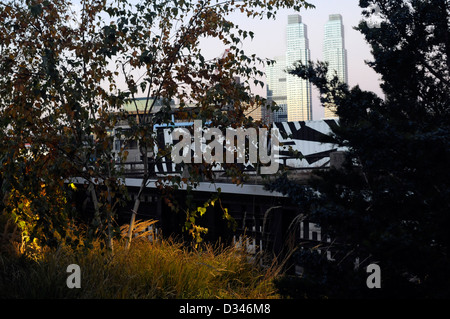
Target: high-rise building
x=334 y=53
x=276 y=87
x=299 y=100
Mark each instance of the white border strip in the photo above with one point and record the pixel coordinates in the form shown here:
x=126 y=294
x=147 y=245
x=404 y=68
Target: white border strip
x=226 y=188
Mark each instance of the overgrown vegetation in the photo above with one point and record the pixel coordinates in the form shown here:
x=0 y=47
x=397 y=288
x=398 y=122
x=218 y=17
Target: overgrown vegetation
x=163 y=268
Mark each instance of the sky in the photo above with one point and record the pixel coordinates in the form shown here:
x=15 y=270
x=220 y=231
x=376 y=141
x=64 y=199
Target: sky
x=270 y=41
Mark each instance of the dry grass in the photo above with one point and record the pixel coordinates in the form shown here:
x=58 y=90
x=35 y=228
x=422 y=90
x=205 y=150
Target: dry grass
x=158 y=269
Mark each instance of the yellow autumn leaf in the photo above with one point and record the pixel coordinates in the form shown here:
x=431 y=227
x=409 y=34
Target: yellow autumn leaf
x=201 y=210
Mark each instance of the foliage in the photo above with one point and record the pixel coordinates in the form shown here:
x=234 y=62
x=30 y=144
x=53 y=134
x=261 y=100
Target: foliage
x=54 y=109
x=61 y=97
x=161 y=269
x=389 y=204
x=30 y=224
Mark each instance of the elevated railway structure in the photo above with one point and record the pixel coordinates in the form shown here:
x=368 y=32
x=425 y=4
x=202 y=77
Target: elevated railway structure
x=263 y=220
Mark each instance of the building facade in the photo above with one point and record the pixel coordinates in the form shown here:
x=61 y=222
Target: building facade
x=299 y=99
x=334 y=53
x=276 y=87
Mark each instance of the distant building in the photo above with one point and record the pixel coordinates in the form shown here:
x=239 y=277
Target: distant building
x=299 y=97
x=334 y=53
x=255 y=112
x=277 y=88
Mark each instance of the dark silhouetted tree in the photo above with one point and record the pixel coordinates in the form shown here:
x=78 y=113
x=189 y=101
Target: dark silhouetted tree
x=390 y=203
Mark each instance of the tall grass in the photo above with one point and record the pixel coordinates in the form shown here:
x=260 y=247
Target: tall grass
x=159 y=269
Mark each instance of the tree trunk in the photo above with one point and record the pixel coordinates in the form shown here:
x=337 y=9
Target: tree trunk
x=109 y=243
x=133 y=218
x=137 y=201
x=95 y=201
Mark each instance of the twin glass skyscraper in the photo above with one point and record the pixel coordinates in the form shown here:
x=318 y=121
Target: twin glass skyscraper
x=292 y=93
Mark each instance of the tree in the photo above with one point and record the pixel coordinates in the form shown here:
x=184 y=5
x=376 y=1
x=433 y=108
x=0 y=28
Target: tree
x=60 y=98
x=157 y=49
x=55 y=114
x=389 y=204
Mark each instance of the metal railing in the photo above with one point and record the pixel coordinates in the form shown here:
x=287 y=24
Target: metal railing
x=136 y=168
